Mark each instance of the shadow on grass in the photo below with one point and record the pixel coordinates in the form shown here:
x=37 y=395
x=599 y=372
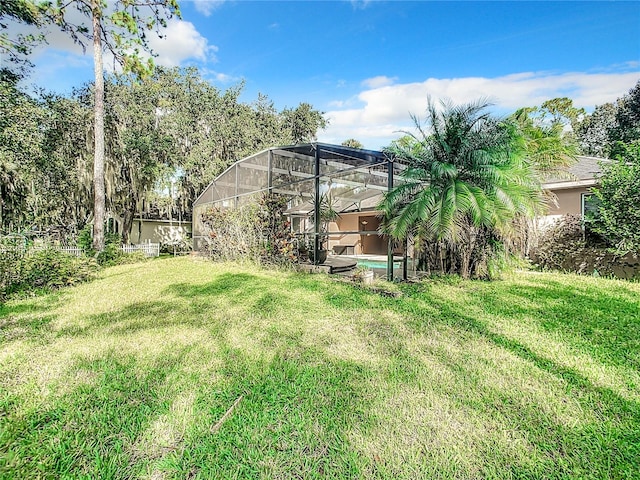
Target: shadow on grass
x=292 y=422
x=616 y=439
x=135 y=318
x=299 y=405
x=603 y=323
x=609 y=448
x=27 y=319
x=89 y=431
x=225 y=284
x=37 y=304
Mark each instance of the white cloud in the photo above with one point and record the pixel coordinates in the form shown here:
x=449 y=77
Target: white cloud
x=385 y=110
x=206 y=7
x=181 y=41
x=379 y=81
x=360 y=4
x=218 y=77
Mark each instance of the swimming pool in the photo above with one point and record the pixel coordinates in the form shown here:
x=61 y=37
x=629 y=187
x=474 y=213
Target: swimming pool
x=378 y=263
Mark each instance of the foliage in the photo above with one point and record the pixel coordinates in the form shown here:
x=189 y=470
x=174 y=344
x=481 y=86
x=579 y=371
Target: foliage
x=627 y=128
x=112 y=253
x=25 y=268
x=560 y=111
x=256 y=231
x=233 y=233
x=16 y=48
x=612 y=126
x=177 y=247
x=617 y=217
x=123 y=27
x=465 y=185
x=280 y=244
x=120 y=28
x=566 y=246
x=303 y=122
x=12 y=251
x=593 y=131
x=168 y=136
x=558 y=242
x=542 y=130
x=20 y=153
x=139 y=152
x=44 y=161
x=531 y=377
x=353 y=143
x=84 y=240
x=328 y=213
x=51 y=268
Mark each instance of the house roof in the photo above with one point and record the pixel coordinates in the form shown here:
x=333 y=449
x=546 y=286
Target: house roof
x=583 y=173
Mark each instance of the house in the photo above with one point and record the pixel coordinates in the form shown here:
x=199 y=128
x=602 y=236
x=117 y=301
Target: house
x=164 y=232
x=355 y=180
x=569 y=192
x=167 y=233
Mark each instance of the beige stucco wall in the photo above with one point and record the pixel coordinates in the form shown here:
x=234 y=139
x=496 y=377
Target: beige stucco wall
x=159 y=232
x=567 y=201
x=348 y=222
x=351 y=222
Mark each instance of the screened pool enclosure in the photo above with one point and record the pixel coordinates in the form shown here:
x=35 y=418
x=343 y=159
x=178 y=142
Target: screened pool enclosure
x=354 y=180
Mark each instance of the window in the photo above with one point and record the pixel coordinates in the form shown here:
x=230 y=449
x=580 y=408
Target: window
x=590 y=204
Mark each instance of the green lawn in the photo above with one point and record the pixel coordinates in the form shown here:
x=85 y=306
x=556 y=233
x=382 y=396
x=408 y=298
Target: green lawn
x=534 y=376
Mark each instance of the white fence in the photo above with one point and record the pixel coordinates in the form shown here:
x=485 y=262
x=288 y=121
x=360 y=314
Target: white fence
x=75 y=251
x=149 y=249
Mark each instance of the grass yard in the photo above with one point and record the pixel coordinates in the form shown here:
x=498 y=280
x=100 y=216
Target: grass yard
x=535 y=376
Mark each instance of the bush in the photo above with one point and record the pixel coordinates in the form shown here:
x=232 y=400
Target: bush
x=12 y=252
x=177 y=247
x=49 y=268
x=559 y=242
x=233 y=234
x=85 y=240
x=112 y=253
x=257 y=232
x=563 y=247
x=617 y=217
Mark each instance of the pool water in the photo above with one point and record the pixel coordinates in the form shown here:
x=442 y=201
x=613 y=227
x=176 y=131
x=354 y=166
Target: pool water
x=377 y=264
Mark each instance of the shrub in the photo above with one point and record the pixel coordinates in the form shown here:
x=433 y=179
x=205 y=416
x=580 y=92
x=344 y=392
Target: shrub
x=112 y=253
x=257 y=232
x=50 y=268
x=617 y=217
x=12 y=252
x=563 y=247
x=233 y=234
x=85 y=240
x=176 y=247
x=558 y=242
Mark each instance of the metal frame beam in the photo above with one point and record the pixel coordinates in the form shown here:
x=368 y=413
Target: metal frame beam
x=389 y=239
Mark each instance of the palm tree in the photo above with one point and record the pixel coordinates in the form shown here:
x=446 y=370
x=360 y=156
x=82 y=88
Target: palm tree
x=466 y=181
x=549 y=150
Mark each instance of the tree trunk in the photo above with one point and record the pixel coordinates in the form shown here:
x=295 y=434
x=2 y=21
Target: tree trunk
x=127 y=222
x=98 y=159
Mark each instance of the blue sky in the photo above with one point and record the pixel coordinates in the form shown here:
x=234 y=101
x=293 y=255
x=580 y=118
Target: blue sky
x=369 y=64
